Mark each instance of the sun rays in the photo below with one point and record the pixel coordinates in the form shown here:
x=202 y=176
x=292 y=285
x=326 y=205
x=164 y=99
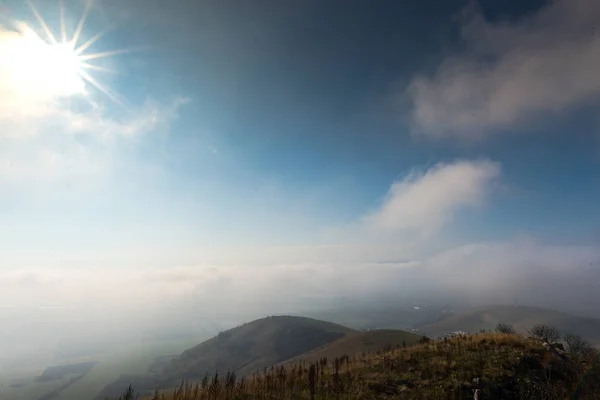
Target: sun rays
x=61 y=62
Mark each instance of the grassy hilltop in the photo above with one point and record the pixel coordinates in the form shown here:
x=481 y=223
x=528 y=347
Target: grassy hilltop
x=493 y=365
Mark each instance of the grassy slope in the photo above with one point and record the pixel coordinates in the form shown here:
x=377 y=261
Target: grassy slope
x=246 y=349
x=257 y=344
x=522 y=318
x=359 y=343
x=501 y=366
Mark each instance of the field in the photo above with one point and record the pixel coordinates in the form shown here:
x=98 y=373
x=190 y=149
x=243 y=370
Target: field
x=134 y=358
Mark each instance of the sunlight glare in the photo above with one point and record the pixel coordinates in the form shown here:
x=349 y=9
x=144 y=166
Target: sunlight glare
x=48 y=67
x=53 y=69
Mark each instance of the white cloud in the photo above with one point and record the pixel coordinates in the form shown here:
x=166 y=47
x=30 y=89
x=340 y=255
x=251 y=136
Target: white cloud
x=47 y=150
x=512 y=72
x=521 y=270
x=33 y=163
x=148 y=118
x=425 y=202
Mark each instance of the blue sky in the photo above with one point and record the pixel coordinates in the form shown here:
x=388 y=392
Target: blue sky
x=322 y=133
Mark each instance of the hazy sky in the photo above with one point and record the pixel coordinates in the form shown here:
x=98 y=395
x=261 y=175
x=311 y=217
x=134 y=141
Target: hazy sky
x=280 y=149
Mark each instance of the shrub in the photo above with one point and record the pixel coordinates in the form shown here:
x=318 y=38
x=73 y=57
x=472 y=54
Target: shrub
x=545 y=332
x=505 y=328
x=128 y=394
x=424 y=340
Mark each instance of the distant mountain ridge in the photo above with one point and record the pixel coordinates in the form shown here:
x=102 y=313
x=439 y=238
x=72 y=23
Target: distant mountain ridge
x=521 y=317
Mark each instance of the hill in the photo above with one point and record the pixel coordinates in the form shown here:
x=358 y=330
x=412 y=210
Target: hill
x=485 y=366
x=252 y=346
x=245 y=349
x=359 y=343
x=522 y=318
x=401 y=314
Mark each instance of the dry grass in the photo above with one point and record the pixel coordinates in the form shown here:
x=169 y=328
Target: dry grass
x=499 y=365
x=358 y=343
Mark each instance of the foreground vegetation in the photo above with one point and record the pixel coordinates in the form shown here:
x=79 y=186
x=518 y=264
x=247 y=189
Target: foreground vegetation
x=501 y=365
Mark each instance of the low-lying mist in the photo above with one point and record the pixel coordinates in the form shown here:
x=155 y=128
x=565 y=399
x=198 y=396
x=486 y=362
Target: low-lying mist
x=65 y=313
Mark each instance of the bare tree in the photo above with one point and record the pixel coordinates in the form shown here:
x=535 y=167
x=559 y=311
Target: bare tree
x=576 y=345
x=545 y=332
x=505 y=328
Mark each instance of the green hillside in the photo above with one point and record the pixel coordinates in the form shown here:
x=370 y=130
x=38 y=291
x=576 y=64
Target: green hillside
x=245 y=349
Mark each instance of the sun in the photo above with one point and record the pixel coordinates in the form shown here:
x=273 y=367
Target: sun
x=37 y=66
x=45 y=65
x=64 y=66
